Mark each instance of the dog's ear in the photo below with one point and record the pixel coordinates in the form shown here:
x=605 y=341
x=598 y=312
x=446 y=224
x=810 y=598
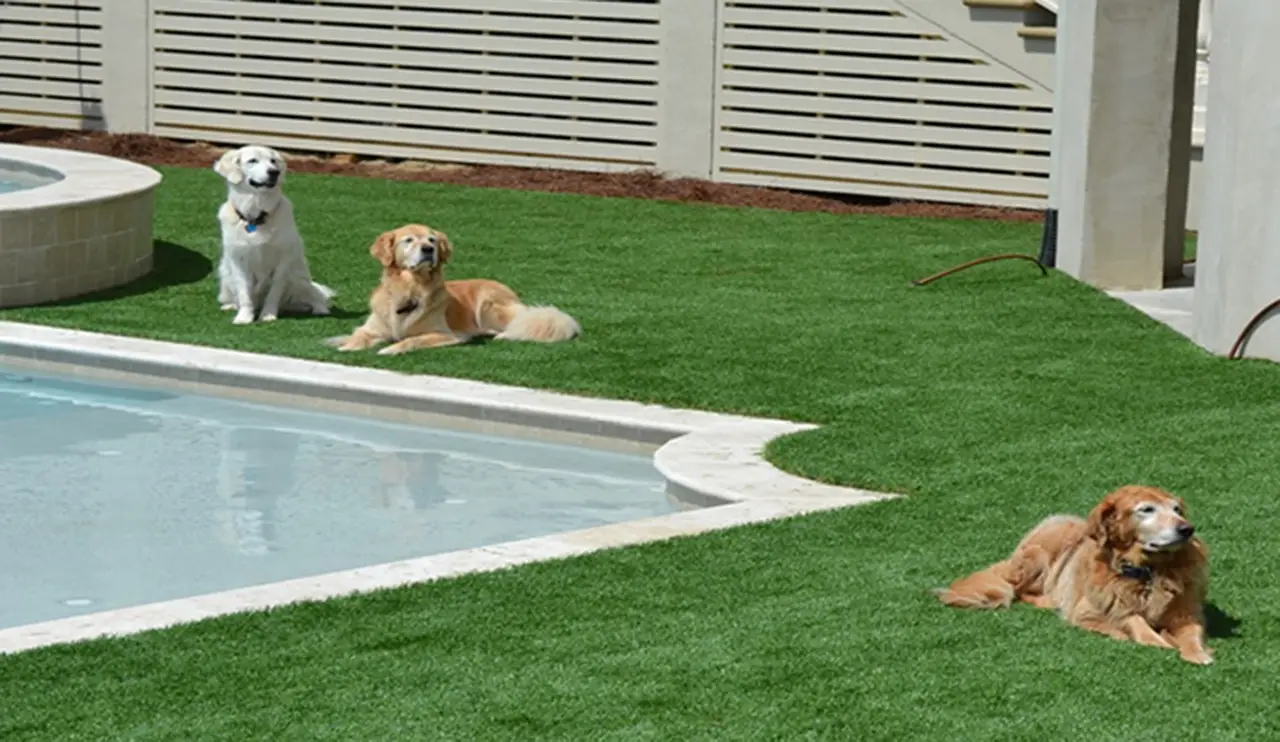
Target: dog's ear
x=1100 y=525
x=383 y=249
x=228 y=166
x=444 y=248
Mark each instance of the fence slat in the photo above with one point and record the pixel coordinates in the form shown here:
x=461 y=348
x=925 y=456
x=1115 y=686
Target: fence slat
x=359 y=19
x=187 y=27
x=174 y=67
x=937 y=113
x=453 y=143
x=645 y=113
x=915 y=134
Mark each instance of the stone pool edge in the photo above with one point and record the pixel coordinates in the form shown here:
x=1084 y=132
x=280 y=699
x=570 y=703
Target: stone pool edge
x=708 y=459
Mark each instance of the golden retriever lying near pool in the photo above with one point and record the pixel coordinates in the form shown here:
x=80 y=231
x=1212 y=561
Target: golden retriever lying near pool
x=414 y=307
x=1133 y=571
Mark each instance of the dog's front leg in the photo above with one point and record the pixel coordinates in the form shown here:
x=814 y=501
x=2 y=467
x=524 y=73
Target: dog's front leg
x=226 y=296
x=361 y=339
x=419 y=342
x=372 y=332
x=1141 y=632
x=1187 y=636
x=242 y=287
x=275 y=291
x=1086 y=618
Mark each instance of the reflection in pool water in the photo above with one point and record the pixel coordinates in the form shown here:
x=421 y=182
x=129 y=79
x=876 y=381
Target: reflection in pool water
x=116 y=496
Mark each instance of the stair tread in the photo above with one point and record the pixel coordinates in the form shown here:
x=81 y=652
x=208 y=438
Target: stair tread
x=1011 y=4
x=1038 y=32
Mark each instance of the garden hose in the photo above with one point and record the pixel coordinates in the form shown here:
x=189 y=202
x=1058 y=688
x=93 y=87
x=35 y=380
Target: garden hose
x=1048 y=253
x=989 y=259
x=1237 y=350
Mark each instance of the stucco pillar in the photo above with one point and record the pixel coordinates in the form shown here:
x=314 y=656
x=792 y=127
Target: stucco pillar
x=1126 y=99
x=686 y=87
x=1238 y=256
x=126 y=65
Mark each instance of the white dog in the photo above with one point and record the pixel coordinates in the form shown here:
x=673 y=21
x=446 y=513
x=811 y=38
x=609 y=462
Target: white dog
x=264 y=263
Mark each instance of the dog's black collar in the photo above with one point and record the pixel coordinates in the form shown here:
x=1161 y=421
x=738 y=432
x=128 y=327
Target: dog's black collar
x=408 y=307
x=1133 y=572
x=251 y=225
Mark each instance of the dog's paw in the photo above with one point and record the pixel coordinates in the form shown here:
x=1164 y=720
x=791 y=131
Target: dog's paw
x=391 y=350
x=337 y=341
x=320 y=311
x=229 y=306
x=267 y=317
x=1203 y=657
x=243 y=317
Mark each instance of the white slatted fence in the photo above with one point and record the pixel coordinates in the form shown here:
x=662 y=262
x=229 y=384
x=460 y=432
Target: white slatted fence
x=557 y=83
x=51 y=63
x=864 y=96
x=857 y=96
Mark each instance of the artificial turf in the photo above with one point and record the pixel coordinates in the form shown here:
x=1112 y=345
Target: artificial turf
x=991 y=398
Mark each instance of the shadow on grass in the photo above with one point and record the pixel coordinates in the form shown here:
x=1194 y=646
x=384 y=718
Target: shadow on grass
x=173 y=265
x=335 y=312
x=1219 y=624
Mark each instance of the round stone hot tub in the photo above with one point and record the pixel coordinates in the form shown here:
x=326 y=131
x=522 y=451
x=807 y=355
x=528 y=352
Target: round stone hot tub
x=71 y=223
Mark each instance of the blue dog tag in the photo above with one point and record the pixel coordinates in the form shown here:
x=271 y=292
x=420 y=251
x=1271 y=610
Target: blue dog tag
x=251 y=227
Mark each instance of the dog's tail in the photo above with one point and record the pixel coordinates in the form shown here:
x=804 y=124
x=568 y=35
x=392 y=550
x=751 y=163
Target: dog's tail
x=1024 y=571
x=540 y=325
x=993 y=587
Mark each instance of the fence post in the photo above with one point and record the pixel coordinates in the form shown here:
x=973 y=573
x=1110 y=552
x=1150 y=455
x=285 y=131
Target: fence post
x=126 y=65
x=688 y=49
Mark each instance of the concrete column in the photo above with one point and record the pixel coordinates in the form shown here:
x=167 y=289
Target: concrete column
x=1126 y=101
x=126 y=65
x=686 y=87
x=1238 y=260
x=1049 y=237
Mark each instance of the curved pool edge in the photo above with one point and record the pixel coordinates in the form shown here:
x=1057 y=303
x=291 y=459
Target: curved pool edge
x=88 y=178
x=713 y=461
x=725 y=463
x=89 y=231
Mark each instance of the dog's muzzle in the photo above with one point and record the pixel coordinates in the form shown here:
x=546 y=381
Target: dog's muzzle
x=426 y=256
x=273 y=177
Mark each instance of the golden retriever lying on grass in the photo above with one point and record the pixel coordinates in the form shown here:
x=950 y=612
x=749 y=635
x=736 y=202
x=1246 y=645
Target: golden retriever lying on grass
x=414 y=307
x=1133 y=571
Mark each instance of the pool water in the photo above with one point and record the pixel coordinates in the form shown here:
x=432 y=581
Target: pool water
x=20 y=175
x=114 y=496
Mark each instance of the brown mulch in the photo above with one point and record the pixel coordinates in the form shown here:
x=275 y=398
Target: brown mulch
x=151 y=150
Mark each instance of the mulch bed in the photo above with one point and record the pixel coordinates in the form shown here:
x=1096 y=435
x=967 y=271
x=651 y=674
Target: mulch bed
x=151 y=150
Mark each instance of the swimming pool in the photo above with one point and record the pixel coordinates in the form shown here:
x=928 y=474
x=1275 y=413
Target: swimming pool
x=114 y=496
x=16 y=175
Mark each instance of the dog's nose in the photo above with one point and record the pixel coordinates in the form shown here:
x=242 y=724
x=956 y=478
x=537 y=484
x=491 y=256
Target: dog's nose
x=1186 y=531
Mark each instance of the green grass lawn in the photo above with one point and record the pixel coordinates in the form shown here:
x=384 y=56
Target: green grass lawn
x=993 y=398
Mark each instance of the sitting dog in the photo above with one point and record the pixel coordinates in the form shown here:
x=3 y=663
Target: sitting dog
x=414 y=306
x=1133 y=571
x=264 y=263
